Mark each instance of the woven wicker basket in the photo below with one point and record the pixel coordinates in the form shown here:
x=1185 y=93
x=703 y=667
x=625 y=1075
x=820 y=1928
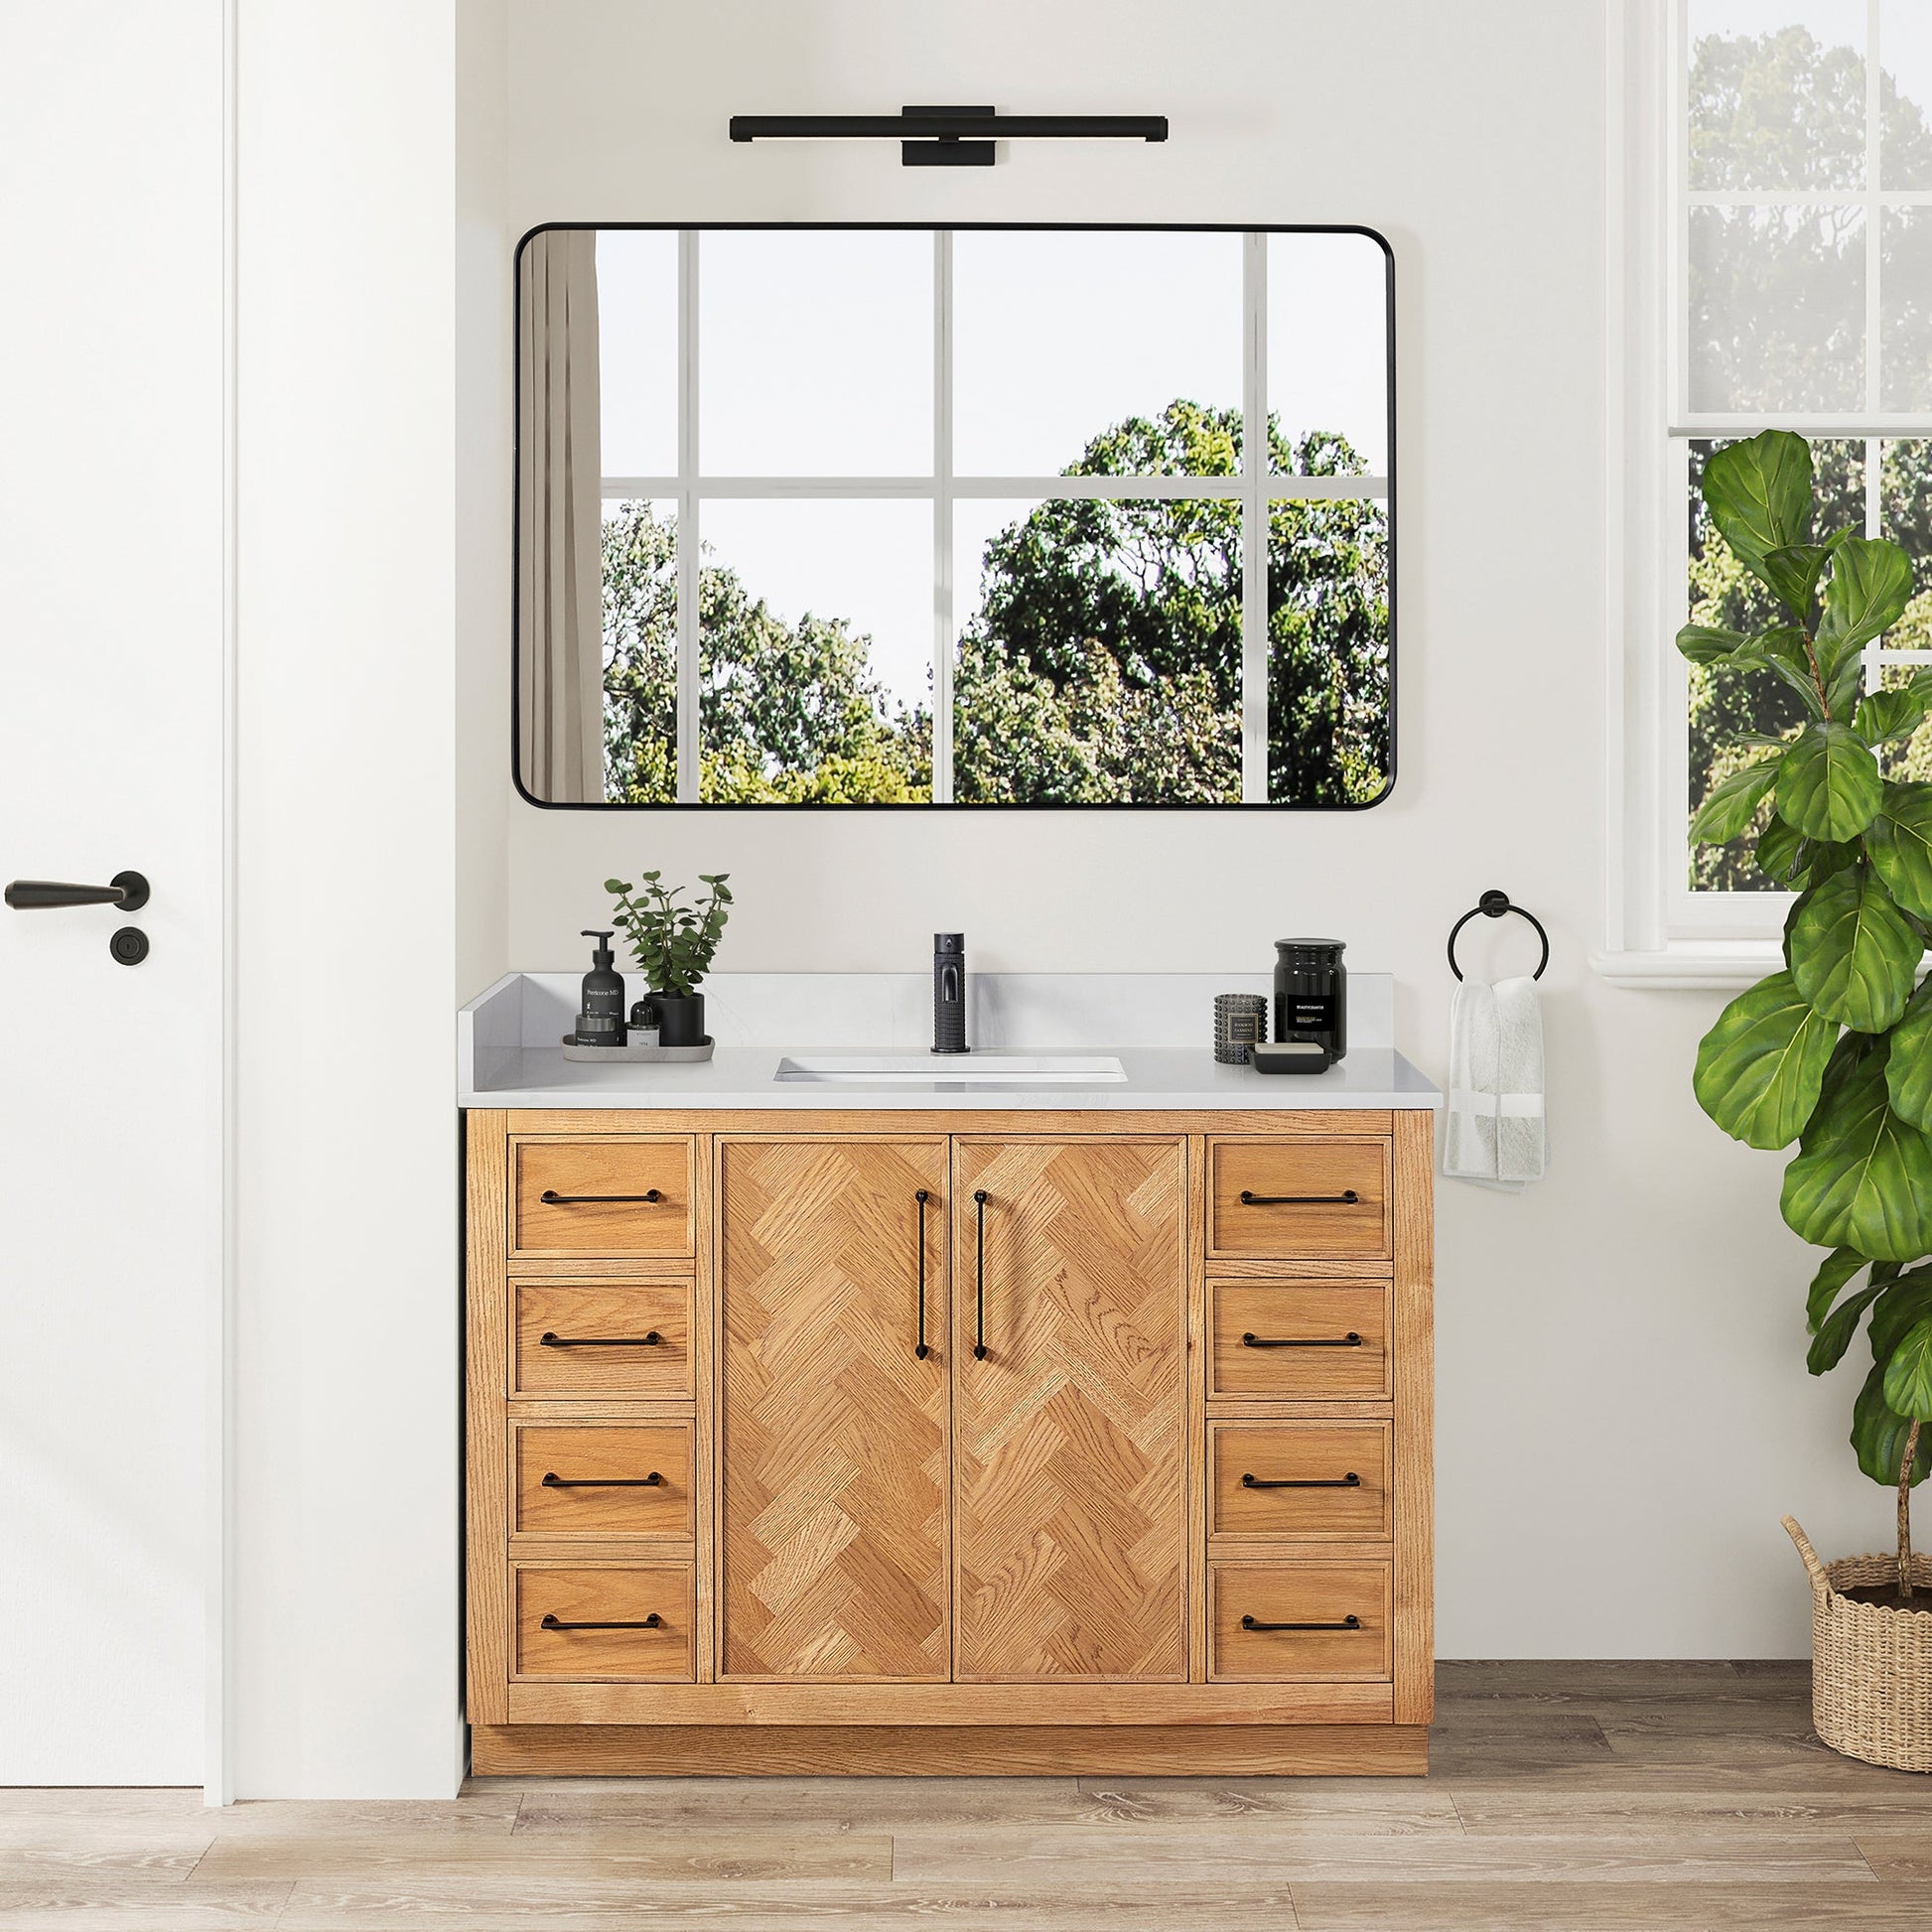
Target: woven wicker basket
x=1870 y=1667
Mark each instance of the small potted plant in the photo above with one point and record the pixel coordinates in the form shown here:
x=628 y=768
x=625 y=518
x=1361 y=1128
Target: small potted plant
x=1835 y=1050
x=673 y=946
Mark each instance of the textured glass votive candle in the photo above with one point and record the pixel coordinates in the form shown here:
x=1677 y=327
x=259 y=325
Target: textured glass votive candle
x=1240 y=1020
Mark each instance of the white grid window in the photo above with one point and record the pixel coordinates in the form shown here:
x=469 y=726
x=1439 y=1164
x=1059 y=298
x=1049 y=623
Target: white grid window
x=1799 y=191
x=909 y=406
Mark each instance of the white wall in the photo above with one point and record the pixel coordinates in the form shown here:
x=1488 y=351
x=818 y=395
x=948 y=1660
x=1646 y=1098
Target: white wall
x=345 y=1632
x=1623 y=1410
x=485 y=379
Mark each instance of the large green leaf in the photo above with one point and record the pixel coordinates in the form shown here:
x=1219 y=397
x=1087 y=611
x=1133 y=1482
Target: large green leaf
x=1848 y=1056
x=1907 y=1301
x=1760 y=1068
x=1825 y=858
x=1828 y=785
x=1879 y=1433
x=1866 y=593
x=1758 y=493
x=1843 y=681
x=1787 y=654
x=1899 y=840
x=1908 y=1376
x=1837 y=1267
x=1864 y=1178
x=1703 y=643
x=1793 y=568
x=1895 y=713
x=1776 y=851
x=1852 y=955
x=1734 y=800
x=1834 y=1332
x=1908 y=1066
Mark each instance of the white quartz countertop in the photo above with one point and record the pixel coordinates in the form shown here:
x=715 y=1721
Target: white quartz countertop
x=512 y=1054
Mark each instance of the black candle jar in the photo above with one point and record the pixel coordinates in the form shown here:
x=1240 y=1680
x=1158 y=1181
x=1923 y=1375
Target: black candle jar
x=1312 y=993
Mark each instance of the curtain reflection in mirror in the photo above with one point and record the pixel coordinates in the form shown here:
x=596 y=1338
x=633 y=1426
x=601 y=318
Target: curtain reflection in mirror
x=560 y=660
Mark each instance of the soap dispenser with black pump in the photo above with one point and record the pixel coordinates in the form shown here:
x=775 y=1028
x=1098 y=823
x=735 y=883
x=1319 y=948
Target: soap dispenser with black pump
x=600 y=1018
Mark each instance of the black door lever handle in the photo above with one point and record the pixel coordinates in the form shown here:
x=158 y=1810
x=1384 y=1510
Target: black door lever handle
x=128 y=890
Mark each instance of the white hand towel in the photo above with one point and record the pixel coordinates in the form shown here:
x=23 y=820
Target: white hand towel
x=1496 y=1132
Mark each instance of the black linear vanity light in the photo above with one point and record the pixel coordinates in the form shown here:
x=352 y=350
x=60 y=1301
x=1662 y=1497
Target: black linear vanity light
x=948 y=137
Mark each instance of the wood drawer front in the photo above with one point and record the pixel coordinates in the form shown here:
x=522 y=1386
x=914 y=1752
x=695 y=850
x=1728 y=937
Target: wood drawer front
x=594 y=1455
x=1298 y=1207
x=1272 y=1340
x=603 y=1593
x=601 y=1338
x=594 y=1198
x=1247 y=1456
x=1298 y=1594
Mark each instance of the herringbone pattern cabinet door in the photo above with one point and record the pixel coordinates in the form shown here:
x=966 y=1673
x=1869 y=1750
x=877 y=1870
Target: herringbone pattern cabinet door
x=1071 y=1434
x=835 y=1433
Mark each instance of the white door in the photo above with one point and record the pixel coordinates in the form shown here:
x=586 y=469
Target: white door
x=112 y=741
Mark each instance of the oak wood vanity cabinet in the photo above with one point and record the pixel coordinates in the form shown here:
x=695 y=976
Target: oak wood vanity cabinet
x=949 y=1441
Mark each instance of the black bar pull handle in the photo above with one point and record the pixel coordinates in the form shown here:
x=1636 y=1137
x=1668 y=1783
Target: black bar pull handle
x=1350 y=1481
x=1350 y=1340
x=921 y=1352
x=1347 y=1623
x=127 y=890
x=1347 y=1198
x=552 y=1481
x=550 y=1339
x=551 y=1199
x=652 y=1622
x=979 y=1261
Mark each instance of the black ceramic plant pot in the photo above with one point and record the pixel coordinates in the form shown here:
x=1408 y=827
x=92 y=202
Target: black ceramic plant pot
x=679 y=1019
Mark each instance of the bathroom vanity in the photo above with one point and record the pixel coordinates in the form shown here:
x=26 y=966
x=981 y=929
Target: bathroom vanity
x=954 y=1419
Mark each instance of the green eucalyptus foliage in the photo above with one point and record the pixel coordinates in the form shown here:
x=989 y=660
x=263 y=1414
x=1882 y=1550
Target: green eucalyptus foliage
x=672 y=944
x=1836 y=1050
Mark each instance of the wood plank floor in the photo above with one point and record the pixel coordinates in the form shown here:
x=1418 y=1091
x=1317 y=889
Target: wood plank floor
x=1564 y=1798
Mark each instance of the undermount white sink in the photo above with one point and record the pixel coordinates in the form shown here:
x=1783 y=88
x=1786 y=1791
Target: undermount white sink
x=982 y=1069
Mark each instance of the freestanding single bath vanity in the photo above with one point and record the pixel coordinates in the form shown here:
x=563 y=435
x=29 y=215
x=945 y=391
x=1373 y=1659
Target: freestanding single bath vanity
x=958 y=1420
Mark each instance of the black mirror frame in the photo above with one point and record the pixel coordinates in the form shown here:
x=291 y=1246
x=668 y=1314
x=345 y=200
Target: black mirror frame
x=957 y=227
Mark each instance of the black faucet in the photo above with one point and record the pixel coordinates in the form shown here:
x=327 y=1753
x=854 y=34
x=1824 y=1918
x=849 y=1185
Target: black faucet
x=949 y=993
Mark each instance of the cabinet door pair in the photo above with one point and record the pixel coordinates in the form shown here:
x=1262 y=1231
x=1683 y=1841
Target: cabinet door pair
x=1009 y=1505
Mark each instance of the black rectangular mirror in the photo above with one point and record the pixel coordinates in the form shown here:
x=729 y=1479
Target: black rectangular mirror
x=874 y=516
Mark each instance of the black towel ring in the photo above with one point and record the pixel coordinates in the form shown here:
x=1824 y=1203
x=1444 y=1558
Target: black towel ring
x=1492 y=905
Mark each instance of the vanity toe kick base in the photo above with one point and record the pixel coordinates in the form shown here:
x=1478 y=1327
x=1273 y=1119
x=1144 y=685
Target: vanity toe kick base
x=996 y=1442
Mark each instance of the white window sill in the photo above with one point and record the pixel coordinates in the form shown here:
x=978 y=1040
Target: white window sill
x=1692 y=965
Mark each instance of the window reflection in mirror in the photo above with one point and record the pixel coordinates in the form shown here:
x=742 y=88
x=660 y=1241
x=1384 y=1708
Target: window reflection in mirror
x=879 y=517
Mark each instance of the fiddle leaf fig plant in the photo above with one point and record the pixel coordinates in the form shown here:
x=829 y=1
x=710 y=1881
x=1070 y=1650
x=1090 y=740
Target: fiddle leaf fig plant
x=672 y=944
x=1835 y=1052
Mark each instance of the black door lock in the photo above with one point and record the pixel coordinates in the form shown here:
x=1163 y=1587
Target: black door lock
x=129 y=945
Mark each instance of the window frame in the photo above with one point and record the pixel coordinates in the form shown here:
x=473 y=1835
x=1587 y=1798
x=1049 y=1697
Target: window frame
x=1256 y=487
x=1660 y=933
